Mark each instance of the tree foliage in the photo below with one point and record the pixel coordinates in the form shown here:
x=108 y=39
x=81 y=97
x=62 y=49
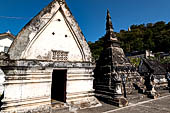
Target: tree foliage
x=96 y=48
x=154 y=37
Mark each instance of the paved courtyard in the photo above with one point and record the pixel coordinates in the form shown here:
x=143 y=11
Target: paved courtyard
x=145 y=105
x=160 y=105
x=138 y=104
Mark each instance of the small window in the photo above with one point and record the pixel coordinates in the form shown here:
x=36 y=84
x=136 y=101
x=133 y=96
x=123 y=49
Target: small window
x=59 y=20
x=6 y=49
x=60 y=55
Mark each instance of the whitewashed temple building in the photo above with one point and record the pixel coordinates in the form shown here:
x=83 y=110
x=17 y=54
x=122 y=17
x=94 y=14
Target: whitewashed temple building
x=6 y=40
x=48 y=63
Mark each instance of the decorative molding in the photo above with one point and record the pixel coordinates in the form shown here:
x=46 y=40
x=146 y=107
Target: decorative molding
x=59 y=55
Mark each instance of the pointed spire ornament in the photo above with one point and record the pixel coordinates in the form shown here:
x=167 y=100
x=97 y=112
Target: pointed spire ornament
x=61 y=2
x=8 y=32
x=109 y=25
x=110 y=35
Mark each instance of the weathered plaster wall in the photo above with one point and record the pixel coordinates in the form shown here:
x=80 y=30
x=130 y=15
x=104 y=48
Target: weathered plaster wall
x=79 y=85
x=28 y=84
x=56 y=35
x=25 y=86
x=81 y=80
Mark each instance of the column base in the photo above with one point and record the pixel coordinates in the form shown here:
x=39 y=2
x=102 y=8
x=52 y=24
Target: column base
x=118 y=101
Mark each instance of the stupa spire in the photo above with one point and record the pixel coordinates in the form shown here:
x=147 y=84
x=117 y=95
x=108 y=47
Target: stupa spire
x=110 y=35
x=61 y=2
x=109 y=25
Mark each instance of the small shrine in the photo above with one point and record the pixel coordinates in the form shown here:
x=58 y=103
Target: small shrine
x=154 y=75
x=48 y=66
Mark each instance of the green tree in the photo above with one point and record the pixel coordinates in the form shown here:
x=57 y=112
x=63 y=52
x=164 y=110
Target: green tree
x=152 y=36
x=96 y=48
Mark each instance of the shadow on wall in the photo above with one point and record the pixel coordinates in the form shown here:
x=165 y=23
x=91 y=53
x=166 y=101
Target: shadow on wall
x=2 y=79
x=1 y=103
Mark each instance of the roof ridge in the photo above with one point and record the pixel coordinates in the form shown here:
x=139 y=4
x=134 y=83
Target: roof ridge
x=7 y=34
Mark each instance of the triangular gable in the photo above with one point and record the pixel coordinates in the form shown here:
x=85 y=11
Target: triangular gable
x=53 y=31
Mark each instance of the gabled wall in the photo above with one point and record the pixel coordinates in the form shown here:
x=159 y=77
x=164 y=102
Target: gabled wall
x=41 y=27
x=56 y=35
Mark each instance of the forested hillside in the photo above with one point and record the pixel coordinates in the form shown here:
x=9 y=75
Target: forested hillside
x=151 y=36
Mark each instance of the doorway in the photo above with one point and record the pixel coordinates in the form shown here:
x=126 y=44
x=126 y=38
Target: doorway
x=58 y=88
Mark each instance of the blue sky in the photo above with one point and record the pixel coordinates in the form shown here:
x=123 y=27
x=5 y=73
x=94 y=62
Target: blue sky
x=90 y=14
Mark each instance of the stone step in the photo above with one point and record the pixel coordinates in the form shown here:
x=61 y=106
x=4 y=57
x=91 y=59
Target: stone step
x=135 y=95
x=59 y=107
x=60 y=110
